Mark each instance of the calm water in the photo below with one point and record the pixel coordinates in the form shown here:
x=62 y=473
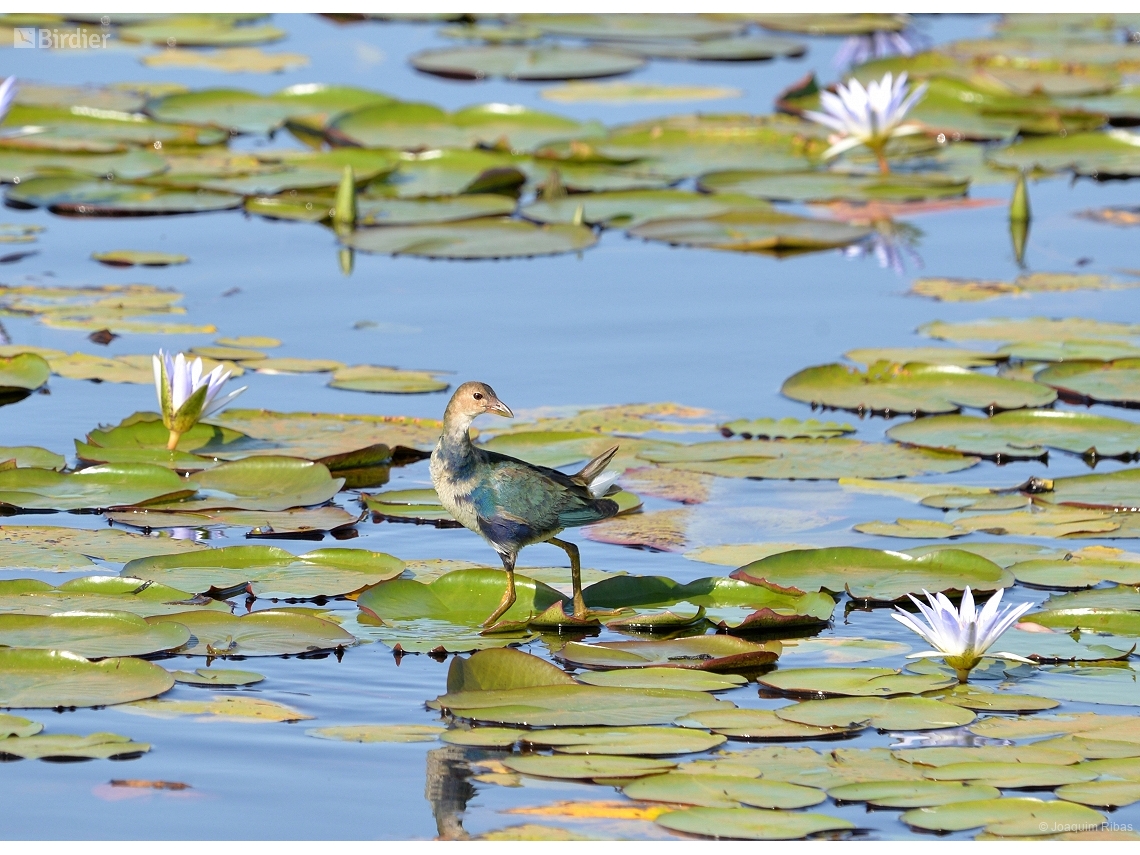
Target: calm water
x=625 y=322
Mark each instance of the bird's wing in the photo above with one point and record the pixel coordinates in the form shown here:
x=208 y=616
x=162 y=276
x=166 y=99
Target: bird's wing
x=545 y=498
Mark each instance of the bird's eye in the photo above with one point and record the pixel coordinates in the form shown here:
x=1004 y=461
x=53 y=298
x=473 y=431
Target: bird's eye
x=478 y=396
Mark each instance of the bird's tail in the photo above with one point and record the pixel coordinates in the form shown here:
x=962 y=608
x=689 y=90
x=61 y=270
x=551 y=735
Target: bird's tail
x=594 y=477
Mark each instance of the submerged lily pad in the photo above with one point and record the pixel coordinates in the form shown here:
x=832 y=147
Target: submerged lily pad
x=702 y=652
x=323 y=572
x=806 y=458
x=91 y=634
x=770 y=232
x=489 y=237
x=266 y=633
x=56 y=678
x=871 y=574
x=750 y=823
x=854 y=682
x=912 y=388
x=1023 y=434
x=524 y=63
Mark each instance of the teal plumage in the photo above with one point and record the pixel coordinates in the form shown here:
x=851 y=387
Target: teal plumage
x=509 y=502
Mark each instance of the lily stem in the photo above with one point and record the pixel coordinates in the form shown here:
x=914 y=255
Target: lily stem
x=172 y=443
x=884 y=167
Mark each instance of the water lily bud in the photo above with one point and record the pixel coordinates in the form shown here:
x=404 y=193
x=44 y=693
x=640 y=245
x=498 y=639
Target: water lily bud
x=344 y=213
x=1019 y=204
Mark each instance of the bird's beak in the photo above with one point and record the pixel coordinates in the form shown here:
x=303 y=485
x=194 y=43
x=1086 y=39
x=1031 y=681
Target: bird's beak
x=499 y=408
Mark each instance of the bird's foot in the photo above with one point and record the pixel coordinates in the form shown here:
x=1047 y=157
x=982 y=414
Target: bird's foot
x=499 y=612
x=580 y=611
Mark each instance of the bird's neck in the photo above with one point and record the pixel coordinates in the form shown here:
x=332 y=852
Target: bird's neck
x=455 y=443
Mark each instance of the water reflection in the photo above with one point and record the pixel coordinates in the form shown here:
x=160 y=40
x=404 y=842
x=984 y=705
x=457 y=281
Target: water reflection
x=448 y=790
x=892 y=244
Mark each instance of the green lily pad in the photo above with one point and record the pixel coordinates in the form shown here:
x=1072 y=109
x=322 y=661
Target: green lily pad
x=577 y=706
x=62 y=746
x=871 y=574
x=649 y=27
x=805 y=458
x=78 y=130
x=269 y=570
x=629 y=208
x=1121 y=596
x=1077 y=573
x=1023 y=434
x=1112 y=491
x=266 y=633
x=1090 y=684
x=1012 y=776
x=127 y=165
x=657 y=621
x=431 y=636
x=663 y=678
x=832 y=186
x=375 y=378
x=840 y=649
x=983 y=701
x=483 y=737
x=489 y=237
x=132 y=257
x=1069 y=349
x=91 y=634
x=379 y=732
x=419 y=505
x=762 y=725
x=231 y=354
x=772 y=232
x=852 y=682
x=30 y=456
x=731 y=49
x=384 y=212
x=200 y=30
x=76 y=195
x=1102 y=794
x=621 y=92
x=750 y=823
x=722 y=791
x=1114 y=382
x=463 y=597
x=568 y=766
x=785 y=429
x=1048 y=522
x=1115 y=621
x=46 y=547
x=882 y=713
x=1114 y=153
x=928 y=355
x=739 y=554
x=620 y=741
x=260 y=523
x=702 y=652
x=217 y=677
x=96 y=594
x=1005 y=816
x=95 y=487
x=911 y=388
x=56 y=678
x=503 y=669
x=958 y=755
x=22 y=373
x=524 y=63
x=912 y=794
x=1028 y=329
x=956 y=290
x=293 y=365
x=219 y=708
x=14 y=725
x=269 y=483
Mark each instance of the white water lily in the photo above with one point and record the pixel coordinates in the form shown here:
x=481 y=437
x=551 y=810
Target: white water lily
x=7 y=96
x=961 y=637
x=870 y=116
x=859 y=49
x=185 y=394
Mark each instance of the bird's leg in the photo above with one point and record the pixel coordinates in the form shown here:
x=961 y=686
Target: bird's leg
x=575 y=574
x=509 y=595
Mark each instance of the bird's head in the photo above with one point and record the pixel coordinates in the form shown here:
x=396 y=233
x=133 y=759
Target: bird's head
x=473 y=399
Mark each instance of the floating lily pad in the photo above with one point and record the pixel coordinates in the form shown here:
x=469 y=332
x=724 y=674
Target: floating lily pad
x=483 y=737
x=1048 y=522
x=762 y=725
x=577 y=706
x=261 y=523
x=132 y=257
x=293 y=365
x=503 y=669
x=871 y=574
x=634 y=93
x=217 y=677
x=463 y=597
x=602 y=27
x=489 y=237
x=1114 y=153
x=882 y=713
x=750 y=823
x=832 y=186
x=703 y=652
x=912 y=794
x=82 y=129
x=806 y=458
x=1054 y=573
x=416 y=505
x=219 y=708
x=331 y=436
x=22 y=374
x=629 y=208
x=94 y=594
x=1114 y=621
x=61 y=746
x=841 y=649
x=375 y=378
x=958 y=755
x=929 y=355
x=383 y=212
x=563 y=766
x=73 y=195
x=56 y=678
x=266 y=633
x=31 y=456
x=770 y=232
x=198 y=30
x=95 y=487
x=432 y=636
x=1006 y=816
x=722 y=791
x=785 y=429
x=379 y=732
x=323 y=572
x=252 y=60
x=853 y=682
x=731 y=49
x=663 y=678
x=1121 y=596
x=911 y=388
x=1023 y=434
x=1012 y=776
x=983 y=701
x=91 y=634
x=620 y=741
x=524 y=63
x=269 y=483
x=1102 y=794
x=1113 y=382
x=14 y=725
x=127 y=165
x=739 y=554
x=1028 y=329
x=970 y=290
x=63 y=548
